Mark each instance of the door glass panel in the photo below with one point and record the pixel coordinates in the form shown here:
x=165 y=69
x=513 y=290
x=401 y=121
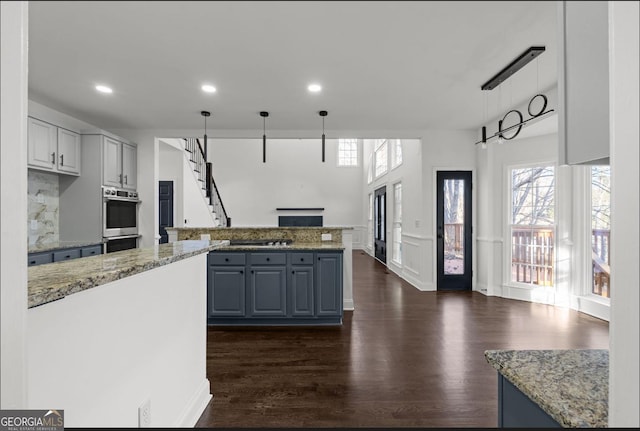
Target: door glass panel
x=454 y=227
x=382 y=216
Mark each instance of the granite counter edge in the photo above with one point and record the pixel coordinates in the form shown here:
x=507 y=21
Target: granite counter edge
x=85 y=283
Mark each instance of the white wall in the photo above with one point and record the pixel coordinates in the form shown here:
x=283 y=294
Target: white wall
x=100 y=353
x=624 y=341
x=13 y=203
x=293 y=176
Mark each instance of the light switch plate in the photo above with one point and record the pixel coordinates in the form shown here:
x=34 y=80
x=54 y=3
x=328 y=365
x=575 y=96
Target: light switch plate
x=326 y=237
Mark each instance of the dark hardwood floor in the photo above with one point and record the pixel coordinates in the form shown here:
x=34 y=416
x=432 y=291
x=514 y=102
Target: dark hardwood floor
x=403 y=358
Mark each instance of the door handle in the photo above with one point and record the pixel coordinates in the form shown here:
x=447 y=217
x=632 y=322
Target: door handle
x=440 y=236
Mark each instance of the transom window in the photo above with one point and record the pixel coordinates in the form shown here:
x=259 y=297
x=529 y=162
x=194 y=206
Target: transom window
x=347 y=152
x=396 y=154
x=532 y=225
x=380 y=157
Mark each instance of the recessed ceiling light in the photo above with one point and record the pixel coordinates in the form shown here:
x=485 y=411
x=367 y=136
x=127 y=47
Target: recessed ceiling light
x=314 y=88
x=104 y=89
x=208 y=88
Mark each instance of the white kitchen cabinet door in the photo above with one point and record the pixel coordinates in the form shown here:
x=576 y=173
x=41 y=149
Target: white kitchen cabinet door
x=129 y=166
x=112 y=169
x=42 y=137
x=68 y=156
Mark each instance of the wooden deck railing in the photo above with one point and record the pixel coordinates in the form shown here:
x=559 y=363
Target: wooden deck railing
x=600 y=254
x=532 y=255
x=454 y=238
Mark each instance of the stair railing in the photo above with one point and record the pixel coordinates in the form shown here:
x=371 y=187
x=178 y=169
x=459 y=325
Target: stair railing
x=204 y=170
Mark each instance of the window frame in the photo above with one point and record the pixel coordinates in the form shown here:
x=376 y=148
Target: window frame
x=382 y=143
x=396 y=223
x=508 y=271
x=394 y=154
x=357 y=151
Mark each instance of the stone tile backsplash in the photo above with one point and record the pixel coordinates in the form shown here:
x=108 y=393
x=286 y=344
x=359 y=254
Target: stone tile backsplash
x=43 y=208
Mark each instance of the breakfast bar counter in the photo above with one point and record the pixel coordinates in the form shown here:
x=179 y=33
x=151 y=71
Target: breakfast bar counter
x=571 y=387
x=55 y=281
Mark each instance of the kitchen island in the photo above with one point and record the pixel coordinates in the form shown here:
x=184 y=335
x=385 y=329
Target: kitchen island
x=552 y=388
x=108 y=334
x=308 y=238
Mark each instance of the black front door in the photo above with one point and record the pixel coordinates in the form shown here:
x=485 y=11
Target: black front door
x=380 y=224
x=454 y=230
x=165 y=209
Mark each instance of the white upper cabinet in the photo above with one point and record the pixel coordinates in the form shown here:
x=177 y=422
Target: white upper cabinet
x=53 y=148
x=120 y=164
x=68 y=151
x=112 y=171
x=42 y=144
x=129 y=166
x=583 y=82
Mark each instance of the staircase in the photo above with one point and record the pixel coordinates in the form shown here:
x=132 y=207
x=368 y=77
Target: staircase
x=204 y=173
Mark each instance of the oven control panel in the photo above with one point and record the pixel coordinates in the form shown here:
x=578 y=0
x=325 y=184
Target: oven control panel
x=112 y=192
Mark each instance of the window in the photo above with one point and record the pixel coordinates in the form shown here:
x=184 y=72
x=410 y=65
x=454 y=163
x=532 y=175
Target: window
x=370 y=222
x=396 y=153
x=347 y=152
x=370 y=170
x=397 y=223
x=600 y=230
x=380 y=157
x=532 y=225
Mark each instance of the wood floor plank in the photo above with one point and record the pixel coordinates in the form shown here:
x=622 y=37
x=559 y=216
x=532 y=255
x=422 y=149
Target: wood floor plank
x=403 y=358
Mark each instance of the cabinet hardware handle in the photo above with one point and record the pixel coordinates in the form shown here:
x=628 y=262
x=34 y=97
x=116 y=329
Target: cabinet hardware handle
x=293 y=272
x=53 y=158
x=226 y=259
x=125 y=180
x=120 y=177
x=302 y=259
x=241 y=272
x=252 y=271
x=267 y=259
x=61 y=159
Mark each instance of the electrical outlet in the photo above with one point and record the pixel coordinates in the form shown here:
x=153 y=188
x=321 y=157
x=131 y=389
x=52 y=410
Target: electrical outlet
x=34 y=224
x=144 y=414
x=326 y=237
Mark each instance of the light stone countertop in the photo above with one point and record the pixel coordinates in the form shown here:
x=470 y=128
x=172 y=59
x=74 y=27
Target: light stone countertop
x=309 y=246
x=61 y=245
x=571 y=386
x=54 y=281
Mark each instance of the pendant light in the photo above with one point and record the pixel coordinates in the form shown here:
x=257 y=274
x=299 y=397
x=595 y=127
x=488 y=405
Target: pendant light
x=205 y=114
x=264 y=115
x=323 y=114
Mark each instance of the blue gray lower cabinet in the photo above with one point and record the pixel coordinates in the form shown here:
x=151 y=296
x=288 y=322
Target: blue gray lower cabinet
x=60 y=255
x=274 y=287
x=516 y=410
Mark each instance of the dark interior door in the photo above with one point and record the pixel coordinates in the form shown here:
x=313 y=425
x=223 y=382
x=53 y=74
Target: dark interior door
x=165 y=209
x=454 y=248
x=380 y=221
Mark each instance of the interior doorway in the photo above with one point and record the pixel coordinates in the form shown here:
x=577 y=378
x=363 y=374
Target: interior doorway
x=380 y=224
x=453 y=220
x=165 y=209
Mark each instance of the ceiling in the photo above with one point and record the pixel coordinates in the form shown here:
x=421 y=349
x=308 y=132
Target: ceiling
x=383 y=65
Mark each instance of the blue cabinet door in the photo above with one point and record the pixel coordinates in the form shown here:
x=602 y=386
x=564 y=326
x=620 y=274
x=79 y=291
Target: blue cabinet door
x=328 y=284
x=301 y=290
x=225 y=291
x=267 y=291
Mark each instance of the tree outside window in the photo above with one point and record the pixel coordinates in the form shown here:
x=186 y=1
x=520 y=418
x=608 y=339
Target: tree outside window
x=532 y=225
x=601 y=230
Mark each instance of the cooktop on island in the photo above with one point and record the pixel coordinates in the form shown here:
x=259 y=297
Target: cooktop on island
x=261 y=242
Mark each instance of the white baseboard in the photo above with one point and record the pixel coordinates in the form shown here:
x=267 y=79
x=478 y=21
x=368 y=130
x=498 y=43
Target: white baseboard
x=196 y=405
x=348 y=305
